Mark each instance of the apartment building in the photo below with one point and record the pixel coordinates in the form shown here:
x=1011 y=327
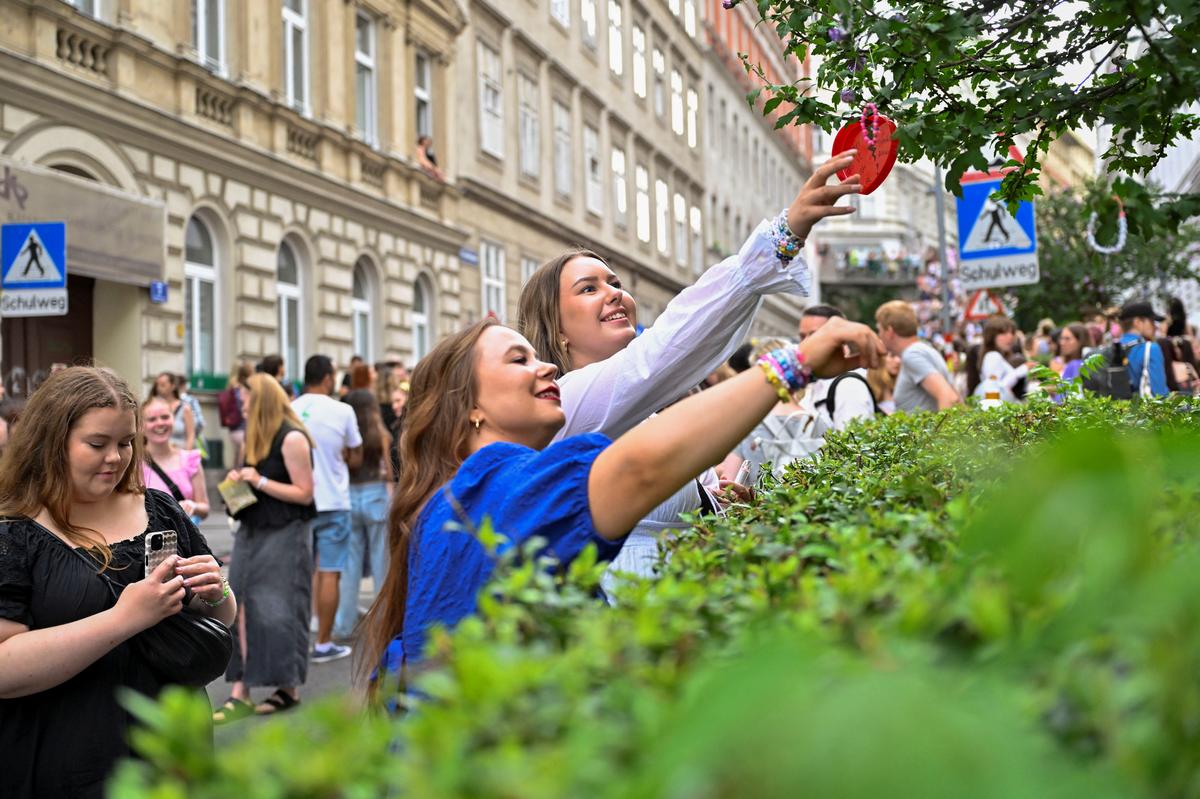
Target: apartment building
x=752 y=170
x=586 y=129
x=255 y=156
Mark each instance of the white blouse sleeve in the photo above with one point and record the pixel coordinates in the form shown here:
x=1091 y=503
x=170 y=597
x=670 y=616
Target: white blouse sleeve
x=997 y=367
x=698 y=331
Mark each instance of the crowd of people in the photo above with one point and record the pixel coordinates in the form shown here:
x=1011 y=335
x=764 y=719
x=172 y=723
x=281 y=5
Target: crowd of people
x=572 y=427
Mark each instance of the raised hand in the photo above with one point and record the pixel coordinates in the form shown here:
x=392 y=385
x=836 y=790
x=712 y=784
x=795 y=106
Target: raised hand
x=839 y=346
x=816 y=199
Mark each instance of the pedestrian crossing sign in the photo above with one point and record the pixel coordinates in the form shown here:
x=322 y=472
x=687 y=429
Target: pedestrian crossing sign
x=996 y=248
x=33 y=269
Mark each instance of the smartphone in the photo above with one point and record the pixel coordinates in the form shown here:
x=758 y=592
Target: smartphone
x=160 y=545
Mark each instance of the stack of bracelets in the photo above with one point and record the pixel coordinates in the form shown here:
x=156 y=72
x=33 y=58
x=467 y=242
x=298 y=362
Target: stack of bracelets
x=785 y=370
x=787 y=244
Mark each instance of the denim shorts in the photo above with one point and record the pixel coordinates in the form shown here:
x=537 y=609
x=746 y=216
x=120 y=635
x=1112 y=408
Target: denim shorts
x=331 y=536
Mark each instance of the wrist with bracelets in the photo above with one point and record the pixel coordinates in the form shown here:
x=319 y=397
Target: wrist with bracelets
x=224 y=595
x=785 y=370
x=787 y=244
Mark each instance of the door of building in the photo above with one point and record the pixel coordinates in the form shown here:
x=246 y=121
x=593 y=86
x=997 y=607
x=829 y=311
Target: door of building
x=33 y=345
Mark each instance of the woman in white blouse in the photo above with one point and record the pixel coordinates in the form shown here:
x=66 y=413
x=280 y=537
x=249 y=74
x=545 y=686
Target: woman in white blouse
x=995 y=373
x=577 y=315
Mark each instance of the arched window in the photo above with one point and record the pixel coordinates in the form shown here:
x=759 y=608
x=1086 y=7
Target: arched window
x=199 y=299
x=287 y=278
x=422 y=314
x=360 y=311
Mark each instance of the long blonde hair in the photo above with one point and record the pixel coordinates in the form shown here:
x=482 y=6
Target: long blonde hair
x=539 y=315
x=434 y=443
x=35 y=470
x=269 y=409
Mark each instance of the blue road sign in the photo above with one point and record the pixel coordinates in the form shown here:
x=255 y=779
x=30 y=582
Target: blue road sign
x=995 y=248
x=158 y=292
x=33 y=255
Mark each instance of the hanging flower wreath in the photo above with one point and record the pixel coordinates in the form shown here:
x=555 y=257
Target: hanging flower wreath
x=1122 y=231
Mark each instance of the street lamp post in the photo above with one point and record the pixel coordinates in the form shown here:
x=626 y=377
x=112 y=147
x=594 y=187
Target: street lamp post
x=940 y=203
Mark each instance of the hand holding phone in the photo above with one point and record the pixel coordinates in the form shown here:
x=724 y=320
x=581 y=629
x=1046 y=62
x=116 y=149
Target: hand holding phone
x=160 y=546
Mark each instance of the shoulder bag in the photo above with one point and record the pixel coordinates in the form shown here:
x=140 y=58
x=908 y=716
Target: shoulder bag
x=188 y=648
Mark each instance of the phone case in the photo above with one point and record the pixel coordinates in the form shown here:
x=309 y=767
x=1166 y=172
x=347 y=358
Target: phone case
x=155 y=557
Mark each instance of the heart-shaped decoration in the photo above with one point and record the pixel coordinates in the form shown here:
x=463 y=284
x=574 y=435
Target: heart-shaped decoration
x=872 y=164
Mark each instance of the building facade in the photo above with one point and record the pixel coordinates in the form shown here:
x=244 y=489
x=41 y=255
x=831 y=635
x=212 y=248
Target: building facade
x=274 y=138
x=751 y=170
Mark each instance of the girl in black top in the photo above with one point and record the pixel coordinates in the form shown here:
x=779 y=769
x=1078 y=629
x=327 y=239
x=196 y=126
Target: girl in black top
x=272 y=555
x=72 y=479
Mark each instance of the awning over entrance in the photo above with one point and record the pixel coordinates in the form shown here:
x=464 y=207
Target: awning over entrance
x=111 y=234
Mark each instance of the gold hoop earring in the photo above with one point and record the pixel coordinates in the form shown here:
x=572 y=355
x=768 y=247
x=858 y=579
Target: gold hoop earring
x=565 y=344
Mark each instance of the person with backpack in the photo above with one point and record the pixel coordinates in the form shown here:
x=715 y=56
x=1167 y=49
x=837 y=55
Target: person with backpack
x=229 y=405
x=1147 y=373
x=836 y=402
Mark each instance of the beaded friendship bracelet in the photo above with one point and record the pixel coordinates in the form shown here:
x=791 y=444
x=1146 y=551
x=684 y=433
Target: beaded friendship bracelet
x=787 y=244
x=785 y=370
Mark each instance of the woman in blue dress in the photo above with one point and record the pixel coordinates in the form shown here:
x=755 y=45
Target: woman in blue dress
x=481 y=416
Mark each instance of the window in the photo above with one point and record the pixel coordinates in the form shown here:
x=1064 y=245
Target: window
x=422 y=312
x=364 y=77
x=676 y=102
x=423 y=92
x=587 y=19
x=528 y=267
x=89 y=7
x=616 y=51
x=208 y=33
x=674 y=6
x=360 y=311
x=562 y=149
x=642 y=184
x=594 y=189
x=199 y=299
x=530 y=133
x=620 y=189
x=662 y=213
x=681 y=230
x=697 y=241
x=693 y=116
x=560 y=10
x=491 y=258
x=639 y=62
x=295 y=54
x=287 y=286
x=660 y=87
x=689 y=17
x=491 y=101
x=723 y=129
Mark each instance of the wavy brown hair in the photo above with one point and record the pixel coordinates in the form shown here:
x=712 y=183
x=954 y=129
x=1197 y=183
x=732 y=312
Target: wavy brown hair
x=35 y=473
x=269 y=409
x=539 y=317
x=435 y=442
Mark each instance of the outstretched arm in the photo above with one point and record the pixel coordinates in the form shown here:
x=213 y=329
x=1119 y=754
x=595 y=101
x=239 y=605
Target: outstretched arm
x=701 y=327
x=652 y=461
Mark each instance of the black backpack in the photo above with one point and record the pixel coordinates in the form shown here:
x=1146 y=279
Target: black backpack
x=1111 y=377
x=828 y=402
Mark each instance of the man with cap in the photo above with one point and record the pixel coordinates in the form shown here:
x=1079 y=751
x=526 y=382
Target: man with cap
x=1145 y=358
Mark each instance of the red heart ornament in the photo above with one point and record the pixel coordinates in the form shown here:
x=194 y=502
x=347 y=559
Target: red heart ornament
x=872 y=164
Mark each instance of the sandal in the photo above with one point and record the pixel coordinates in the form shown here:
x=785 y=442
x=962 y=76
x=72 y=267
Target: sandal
x=232 y=710
x=277 y=702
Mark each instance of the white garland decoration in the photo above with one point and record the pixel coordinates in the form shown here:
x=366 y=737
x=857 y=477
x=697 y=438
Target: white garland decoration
x=1122 y=230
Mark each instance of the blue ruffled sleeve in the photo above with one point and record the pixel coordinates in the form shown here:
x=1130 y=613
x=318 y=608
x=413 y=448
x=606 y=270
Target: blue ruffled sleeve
x=528 y=493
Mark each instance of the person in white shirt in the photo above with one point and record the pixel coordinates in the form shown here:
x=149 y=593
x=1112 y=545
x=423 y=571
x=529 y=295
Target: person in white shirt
x=576 y=314
x=337 y=448
x=851 y=399
x=993 y=371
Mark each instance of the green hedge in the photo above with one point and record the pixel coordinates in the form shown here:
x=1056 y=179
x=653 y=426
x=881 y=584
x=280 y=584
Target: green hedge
x=999 y=603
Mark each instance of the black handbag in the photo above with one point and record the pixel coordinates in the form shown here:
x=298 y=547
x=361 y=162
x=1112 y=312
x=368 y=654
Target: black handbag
x=188 y=648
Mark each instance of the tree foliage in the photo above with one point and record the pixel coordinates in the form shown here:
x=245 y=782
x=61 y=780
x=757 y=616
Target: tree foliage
x=1075 y=278
x=974 y=603
x=963 y=79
